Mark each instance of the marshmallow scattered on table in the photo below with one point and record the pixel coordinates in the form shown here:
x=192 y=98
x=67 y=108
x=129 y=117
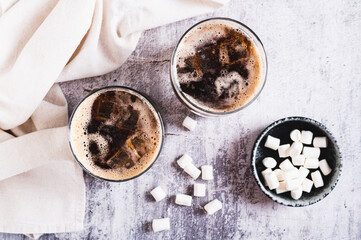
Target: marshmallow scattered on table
x=286 y=165
x=192 y=170
x=183 y=199
x=324 y=167
x=213 y=206
x=272 y=142
x=279 y=174
x=311 y=152
x=295 y=135
x=158 y=194
x=320 y=142
x=184 y=160
x=307 y=185
x=298 y=160
x=161 y=224
x=272 y=181
x=199 y=190
x=311 y=163
x=264 y=173
x=207 y=172
x=295 y=149
x=297 y=193
x=306 y=137
x=317 y=179
x=284 y=150
x=189 y=123
x=269 y=162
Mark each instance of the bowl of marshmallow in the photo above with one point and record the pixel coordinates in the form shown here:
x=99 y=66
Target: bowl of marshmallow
x=296 y=161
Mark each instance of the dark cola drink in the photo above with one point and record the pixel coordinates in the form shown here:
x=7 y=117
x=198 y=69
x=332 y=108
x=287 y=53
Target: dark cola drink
x=116 y=133
x=218 y=67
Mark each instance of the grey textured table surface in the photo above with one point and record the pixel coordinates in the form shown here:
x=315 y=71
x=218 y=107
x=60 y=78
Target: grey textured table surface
x=314 y=56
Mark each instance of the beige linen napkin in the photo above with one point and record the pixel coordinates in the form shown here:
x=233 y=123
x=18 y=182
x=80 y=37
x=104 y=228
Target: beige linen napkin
x=42 y=42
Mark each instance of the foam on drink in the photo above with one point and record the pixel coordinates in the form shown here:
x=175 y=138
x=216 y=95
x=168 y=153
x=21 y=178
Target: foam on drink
x=218 y=66
x=115 y=133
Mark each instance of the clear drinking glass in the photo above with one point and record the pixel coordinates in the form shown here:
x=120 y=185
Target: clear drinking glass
x=82 y=162
x=187 y=100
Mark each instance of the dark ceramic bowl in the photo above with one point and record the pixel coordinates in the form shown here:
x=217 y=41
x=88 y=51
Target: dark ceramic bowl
x=281 y=129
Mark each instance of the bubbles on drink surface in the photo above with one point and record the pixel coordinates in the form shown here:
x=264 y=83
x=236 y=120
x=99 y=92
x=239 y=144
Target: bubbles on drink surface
x=218 y=66
x=120 y=132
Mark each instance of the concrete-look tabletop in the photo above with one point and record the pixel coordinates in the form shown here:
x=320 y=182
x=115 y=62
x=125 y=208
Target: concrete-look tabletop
x=314 y=56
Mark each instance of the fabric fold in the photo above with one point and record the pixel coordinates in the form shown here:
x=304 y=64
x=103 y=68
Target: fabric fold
x=42 y=59
x=33 y=150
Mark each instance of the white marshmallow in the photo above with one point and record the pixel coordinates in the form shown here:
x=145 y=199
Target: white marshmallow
x=291 y=174
x=192 y=170
x=295 y=149
x=158 y=194
x=317 y=179
x=207 y=172
x=272 y=142
x=281 y=188
x=311 y=152
x=303 y=172
x=307 y=185
x=306 y=137
x=298 y=160
x=293 y=184
x=161 y=224
x=269 y=162
x=199 y=190
x=184 y=160
x=279 y=174
x=311 y=163
x=213 y=206
x=297 y=193
x=320 y=142
x=272 y=180
x=324 y=167
x=189 y=123
x=295 y=135
x=284 y=150
x=264 y=173
x=183 y=199
x=286 y=165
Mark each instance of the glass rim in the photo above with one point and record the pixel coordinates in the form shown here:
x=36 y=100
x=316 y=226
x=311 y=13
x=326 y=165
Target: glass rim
x=190 y=104
x=160 y=122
